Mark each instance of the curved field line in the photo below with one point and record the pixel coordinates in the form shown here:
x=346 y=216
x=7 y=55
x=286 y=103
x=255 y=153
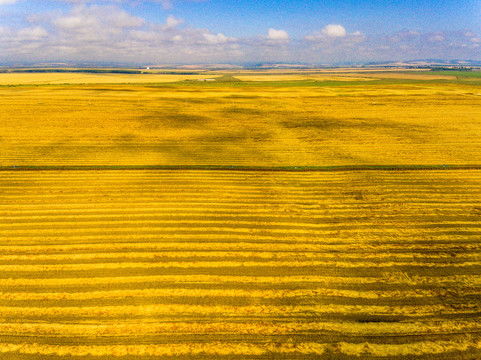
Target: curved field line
x=44 y=251
x=225 y=348
x=205 y=293
x=229 y=311
x=251 y=328
x=227 y=264
x=246 y=168
x=389 y=278
x=272 y=253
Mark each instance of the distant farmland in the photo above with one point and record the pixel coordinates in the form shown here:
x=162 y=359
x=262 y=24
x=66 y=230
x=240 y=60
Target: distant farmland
x=147 y=221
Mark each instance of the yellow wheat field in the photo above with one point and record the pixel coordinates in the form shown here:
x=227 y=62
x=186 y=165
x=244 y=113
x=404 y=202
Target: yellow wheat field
x=84 y=78
x=170 y=262
x=396 y=278
x=239 y=124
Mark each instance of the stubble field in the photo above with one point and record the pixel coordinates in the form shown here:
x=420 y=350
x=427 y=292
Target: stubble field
x=121 y=238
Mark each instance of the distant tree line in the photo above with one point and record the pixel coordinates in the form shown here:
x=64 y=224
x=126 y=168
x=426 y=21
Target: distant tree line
x=92 y=71
x=98 y=71
x=450 y=68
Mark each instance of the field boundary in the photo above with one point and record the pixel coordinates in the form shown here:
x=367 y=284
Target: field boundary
x=242 y=168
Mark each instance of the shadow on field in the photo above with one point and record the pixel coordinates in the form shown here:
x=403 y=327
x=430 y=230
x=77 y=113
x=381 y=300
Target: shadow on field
x=331 y=123
x=369 y=126
x=243 y=111
x=173 y=120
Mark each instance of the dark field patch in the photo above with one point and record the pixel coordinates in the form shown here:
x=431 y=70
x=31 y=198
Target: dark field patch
x=243 y=110
x=329 y=123
x=173 y=120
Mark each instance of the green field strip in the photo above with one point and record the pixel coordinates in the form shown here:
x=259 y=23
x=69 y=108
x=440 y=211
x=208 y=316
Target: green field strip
x=246 y=85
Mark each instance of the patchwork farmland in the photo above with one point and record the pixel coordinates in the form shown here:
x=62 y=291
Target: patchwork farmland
x=104 y=257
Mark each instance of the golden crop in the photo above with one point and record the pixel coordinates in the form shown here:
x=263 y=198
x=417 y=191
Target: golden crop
x=213 y=349
x=176 y=261
x=248 y=124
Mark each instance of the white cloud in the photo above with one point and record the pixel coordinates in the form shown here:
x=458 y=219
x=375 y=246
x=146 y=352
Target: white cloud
x=173 y=22
x=278 y=35
x=334 y=30
x=95 y=16
x=6 y=2
x=109 y=33
x=94 y=23
x=92 y=32
x=335 y=33
x=437 y=38
x=216 y=39
x=32 y=33
x=166 y=4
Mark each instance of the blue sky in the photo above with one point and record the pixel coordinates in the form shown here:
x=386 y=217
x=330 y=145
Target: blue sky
x=300 y=17
x=189 y=31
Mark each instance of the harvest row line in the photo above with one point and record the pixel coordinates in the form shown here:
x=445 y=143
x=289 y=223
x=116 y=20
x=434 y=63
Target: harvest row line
x=249 y=349
x=394 y=278
x=408 y=177
x=314 y=293
x=45 y=250
x=235 y=264
x=226 y=311
x=436 y=327
x=345 y=237
x=238 y=225
x=214 y=254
